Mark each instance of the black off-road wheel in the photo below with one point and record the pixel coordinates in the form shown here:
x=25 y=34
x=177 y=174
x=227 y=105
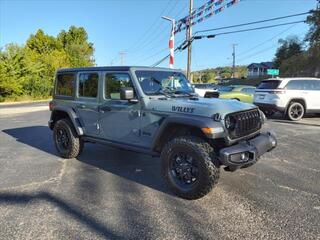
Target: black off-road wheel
x=66 y=140
x=295 y=111
x=189 y=167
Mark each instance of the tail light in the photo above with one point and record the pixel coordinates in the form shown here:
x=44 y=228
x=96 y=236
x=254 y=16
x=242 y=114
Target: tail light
x=51 y=106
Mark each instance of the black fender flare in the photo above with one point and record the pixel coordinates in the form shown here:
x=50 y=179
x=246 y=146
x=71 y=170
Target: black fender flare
x=186 y=120
x=73 y=117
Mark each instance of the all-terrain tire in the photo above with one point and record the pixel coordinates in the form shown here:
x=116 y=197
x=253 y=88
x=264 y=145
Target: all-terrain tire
x=208 y=169
x=75 y=144
x=295 y=111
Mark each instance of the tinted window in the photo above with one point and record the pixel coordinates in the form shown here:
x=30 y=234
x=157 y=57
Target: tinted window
x=88 y=85
x=65 y=84
x=248 y=90
x=269 y=84
x=303 y=85
x=113 y=84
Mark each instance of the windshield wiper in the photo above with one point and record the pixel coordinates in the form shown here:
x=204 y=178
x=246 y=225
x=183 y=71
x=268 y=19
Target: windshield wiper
x=185 y=92
x=164 y=91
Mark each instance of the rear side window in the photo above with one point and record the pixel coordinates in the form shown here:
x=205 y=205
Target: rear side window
x=65 y=85
x=88 y=85
x=113 y=84
x=303 y=85
x=270 y=84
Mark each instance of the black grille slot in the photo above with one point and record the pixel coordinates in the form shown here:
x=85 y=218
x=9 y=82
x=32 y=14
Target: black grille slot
x=245 y=123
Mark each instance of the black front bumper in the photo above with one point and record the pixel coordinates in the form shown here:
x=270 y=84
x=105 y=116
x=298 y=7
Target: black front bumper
x=246 y=153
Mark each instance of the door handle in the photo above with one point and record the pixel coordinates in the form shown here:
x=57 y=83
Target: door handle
x=81 y=106
x=103 y=109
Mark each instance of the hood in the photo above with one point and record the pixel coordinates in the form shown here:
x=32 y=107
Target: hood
x=199 y=106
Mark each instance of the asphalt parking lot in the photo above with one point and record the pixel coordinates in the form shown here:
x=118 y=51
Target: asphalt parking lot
x=109 y=193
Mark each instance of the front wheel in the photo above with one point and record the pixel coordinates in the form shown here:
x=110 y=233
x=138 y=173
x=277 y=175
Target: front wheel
x=295 y=111
x=188 y=168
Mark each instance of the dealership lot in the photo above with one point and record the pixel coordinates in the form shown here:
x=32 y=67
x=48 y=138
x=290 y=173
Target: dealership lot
x=111 y=193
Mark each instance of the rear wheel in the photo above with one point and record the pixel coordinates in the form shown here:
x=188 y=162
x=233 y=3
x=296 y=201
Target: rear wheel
x=295 y=111
x=187 y=167
x=67 y=141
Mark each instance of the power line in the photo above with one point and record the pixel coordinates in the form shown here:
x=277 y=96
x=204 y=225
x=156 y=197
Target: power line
x=264 y=42
x=247 y=30
x=256 y=22
x=186 y=43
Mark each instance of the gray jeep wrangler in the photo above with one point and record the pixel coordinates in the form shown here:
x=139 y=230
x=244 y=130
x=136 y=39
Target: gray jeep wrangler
x=155 y=111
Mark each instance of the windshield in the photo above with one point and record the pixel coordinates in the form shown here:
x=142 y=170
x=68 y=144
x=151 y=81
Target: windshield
x=159 y=82
x=269 y=84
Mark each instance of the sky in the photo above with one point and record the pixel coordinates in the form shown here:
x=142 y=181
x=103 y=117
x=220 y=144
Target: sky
x=136 y=28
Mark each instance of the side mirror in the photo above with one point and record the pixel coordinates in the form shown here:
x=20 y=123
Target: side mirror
x=126 y=93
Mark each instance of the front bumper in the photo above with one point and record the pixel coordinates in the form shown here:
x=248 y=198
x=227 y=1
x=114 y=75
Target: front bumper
x=246 y=153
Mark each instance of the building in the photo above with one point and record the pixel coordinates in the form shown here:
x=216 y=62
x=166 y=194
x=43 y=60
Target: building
x=257 y=70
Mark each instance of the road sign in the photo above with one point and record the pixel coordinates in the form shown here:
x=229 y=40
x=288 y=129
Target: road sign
x=273 y=72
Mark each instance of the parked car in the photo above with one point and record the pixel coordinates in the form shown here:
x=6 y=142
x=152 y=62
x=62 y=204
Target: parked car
x=206 y=90
x=241 y=93
x=154 y=111
x=291 y=96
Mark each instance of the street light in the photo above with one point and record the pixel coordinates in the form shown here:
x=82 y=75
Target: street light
x=171 y=40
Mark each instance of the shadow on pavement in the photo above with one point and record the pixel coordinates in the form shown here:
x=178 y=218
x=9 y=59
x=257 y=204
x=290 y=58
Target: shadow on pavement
x=68 y=208
x=136 y=167
x=39 y=137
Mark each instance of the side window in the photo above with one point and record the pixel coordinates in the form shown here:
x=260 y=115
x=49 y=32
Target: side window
x=316 y=84
x=250 y=90
x=64 y=86
x=88 y=85
x=295 y=85
x=113 y=84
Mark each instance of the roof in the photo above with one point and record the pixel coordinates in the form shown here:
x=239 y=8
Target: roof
x=292 y=79
x=261 y=65
x=114 y=68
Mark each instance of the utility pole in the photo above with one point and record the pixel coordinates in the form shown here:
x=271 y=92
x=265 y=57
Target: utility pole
x=234 y=60
x=122 y=57
x=189 y=36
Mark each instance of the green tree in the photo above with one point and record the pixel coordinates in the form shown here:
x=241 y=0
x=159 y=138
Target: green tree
x=313 y=36
x=30 y=69
x=75 y=43
x=12 y=70
x=289 y=47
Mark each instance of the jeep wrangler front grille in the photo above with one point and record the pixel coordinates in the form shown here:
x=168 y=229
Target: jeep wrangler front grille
x=241 y=124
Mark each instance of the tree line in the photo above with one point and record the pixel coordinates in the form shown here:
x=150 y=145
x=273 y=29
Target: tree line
x=296 y=57
x=29 y=70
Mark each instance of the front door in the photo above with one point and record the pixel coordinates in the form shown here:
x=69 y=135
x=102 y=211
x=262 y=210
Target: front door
x=119 y=119
x=87 y=102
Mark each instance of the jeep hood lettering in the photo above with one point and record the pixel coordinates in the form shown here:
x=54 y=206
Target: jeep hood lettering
x=201 y=107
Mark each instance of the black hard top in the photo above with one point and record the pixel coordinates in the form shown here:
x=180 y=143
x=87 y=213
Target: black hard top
x=114 y=68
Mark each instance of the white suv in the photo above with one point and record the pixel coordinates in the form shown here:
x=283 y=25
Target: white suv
x=292 y=96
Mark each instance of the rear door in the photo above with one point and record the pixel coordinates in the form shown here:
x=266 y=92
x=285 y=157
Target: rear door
x=87 y=102
x=312 y=89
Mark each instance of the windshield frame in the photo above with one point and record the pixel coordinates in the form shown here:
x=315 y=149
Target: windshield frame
x=163 y=90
